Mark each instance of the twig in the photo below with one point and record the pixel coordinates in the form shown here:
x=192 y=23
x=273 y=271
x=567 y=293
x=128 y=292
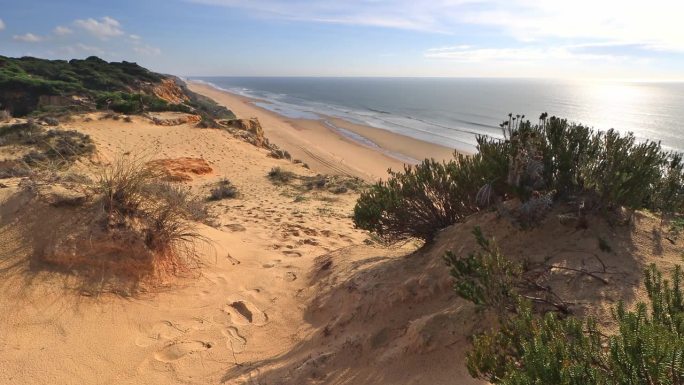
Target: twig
x=563 y=307
x=580 y=271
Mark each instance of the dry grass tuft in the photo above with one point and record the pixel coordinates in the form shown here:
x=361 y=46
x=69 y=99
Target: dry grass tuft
x=164 y=214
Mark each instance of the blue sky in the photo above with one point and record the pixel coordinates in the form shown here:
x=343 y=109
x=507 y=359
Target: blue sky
x=460 y=38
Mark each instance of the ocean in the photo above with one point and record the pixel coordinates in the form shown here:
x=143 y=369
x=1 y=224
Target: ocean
x=453 y=111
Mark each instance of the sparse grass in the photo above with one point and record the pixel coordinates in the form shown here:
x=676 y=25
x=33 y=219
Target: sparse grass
x=133 y=196
x=676 y=226
x=181 y=197
x=123 y=183
x=14 y=169
x=224 y=189
x=169 y=233
x=314 y=182
x=328 y=199
x=21 y=133
x=280 y=154
x=279 y=176
x=51 y=149
x=336 y=184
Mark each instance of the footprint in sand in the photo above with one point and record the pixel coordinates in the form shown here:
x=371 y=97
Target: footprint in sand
x=292 y=253
x=177 y=350
x=164 y=330
x=245 y=313
x=235 y=341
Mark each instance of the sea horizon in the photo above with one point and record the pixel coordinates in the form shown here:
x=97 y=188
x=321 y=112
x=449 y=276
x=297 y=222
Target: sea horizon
x=453 y=111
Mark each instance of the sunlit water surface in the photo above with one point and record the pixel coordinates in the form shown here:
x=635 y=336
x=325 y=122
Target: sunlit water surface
x=452 y=112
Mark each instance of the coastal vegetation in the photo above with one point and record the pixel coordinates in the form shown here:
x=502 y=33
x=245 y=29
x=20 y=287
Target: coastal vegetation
x=537 y=166
x=534 y=170
x=32 y=86
x=551 y=348
x=336 y=184
x=136 y=218
x=223 y=189
x=42 y=148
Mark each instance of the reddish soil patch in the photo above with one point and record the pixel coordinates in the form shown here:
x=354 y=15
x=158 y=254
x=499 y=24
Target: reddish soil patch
x=182 y=169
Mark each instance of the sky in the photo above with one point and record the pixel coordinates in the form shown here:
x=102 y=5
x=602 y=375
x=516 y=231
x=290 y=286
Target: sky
x=606 y=39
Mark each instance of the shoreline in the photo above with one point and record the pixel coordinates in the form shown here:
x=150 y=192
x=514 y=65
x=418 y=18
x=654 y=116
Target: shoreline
x=329 y=144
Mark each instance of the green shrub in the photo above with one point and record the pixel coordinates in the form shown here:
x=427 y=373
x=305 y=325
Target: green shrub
x=430 y=196
x=536 y=164
x=528 y=348
x=488 y=278
x=123 y=87
x=135 y=103
x=626 y=173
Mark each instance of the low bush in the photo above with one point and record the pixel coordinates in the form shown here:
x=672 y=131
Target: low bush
x=280 y=154
x=528 y=348
x=224 y=189
x=432 y=195
x=20 y=133
x=536 y=164
x=51 y=147
x=279 y=176
x=135 y=103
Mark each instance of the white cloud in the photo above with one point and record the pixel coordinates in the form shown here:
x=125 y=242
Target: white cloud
x=147 y=50
x=656 y=24
x=403 y=14
x=28 y=38
x=134 y=37
x=2 y=25
x=104 y=28
x=467 y=54
x=62 y=31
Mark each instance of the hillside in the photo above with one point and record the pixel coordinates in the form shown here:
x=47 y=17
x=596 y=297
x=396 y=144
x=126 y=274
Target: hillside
x=30 y=85
x=149 y=249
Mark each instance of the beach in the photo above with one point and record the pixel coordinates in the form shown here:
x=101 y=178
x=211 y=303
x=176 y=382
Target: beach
x=325 y=149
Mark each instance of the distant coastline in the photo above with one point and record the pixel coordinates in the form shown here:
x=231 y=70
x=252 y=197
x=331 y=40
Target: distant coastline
x=453 y=111
x=328 y=143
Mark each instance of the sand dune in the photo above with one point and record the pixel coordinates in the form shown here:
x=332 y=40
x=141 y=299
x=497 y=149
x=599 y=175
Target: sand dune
x=287 y=291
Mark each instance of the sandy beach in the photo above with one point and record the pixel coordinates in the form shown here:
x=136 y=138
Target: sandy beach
x=326 y=150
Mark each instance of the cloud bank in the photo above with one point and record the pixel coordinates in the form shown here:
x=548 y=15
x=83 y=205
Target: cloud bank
x=104 y=28
x=655 y=25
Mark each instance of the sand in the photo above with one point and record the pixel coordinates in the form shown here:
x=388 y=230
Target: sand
x=287 y=291
x=328 y=151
